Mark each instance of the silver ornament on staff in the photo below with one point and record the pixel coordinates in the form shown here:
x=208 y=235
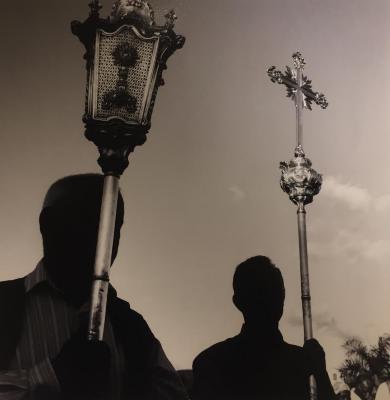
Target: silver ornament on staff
x=299 y=180
x=126 y=54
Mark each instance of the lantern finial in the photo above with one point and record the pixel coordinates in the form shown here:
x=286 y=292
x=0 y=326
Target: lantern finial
x=126 y=55
x=170 y=19
x=133 y=9
x=95 y=8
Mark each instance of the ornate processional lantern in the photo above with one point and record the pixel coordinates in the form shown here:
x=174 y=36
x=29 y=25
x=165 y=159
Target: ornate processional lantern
x=125 y=55
x=299 y=180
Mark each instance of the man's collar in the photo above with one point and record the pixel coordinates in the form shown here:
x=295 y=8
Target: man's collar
x=35 y=277
x=261 y=333
x=39 y=275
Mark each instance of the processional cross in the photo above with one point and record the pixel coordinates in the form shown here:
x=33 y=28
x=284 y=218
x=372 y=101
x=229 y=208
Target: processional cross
x=299 y=180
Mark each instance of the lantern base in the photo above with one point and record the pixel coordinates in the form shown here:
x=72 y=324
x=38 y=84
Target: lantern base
x=115 y=144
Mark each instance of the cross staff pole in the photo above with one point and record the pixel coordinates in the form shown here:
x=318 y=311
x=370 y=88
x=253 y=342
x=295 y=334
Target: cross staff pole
x=299 y=180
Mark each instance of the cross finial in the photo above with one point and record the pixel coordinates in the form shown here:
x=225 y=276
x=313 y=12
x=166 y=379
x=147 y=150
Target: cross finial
x=299 y=89
x=299 y=61
x=290 y=80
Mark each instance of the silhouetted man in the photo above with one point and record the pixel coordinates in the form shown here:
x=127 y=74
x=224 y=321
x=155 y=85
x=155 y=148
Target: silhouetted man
x=44 y=353
x=258 y=363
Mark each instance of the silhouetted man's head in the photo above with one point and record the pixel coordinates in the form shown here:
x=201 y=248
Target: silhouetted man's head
x=69 y=224
x=259 y=291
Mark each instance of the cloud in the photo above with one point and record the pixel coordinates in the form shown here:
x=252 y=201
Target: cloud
x=237 y=193
x=382 y=203
x=323 y=322
x=377 y=250
x=356 y=237
x=353 y=196
x=351 y=246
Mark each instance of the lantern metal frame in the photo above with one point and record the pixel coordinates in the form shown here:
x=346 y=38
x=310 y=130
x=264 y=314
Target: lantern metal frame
x=115 y=137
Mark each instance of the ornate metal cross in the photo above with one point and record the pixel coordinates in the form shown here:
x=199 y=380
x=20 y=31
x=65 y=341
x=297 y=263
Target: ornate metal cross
x=299 y=180
x=299 y=89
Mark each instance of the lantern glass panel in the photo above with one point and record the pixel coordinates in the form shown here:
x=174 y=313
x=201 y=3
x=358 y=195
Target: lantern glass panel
x=124 y=75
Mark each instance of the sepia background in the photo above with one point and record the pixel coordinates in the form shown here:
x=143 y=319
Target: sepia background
x=203 y=193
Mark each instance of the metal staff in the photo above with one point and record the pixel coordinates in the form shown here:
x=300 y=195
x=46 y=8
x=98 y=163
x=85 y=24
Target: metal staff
x=126 y=55
x=299 y=180
x=103 y=257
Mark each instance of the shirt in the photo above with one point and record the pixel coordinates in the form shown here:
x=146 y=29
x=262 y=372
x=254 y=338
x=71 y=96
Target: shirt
x=252 y=365
x=48 y=322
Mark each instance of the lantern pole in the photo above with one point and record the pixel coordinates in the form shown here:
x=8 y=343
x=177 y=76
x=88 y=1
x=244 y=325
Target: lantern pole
x=103 y=257
x=125 y=57
x=299 y=180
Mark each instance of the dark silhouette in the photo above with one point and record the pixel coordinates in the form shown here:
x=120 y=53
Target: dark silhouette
x=129 y=363
x=69 y=223
x=258 y=363
x=187 y=378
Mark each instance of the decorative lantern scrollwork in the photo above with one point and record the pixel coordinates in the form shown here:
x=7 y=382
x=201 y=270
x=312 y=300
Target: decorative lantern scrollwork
x=126 y=55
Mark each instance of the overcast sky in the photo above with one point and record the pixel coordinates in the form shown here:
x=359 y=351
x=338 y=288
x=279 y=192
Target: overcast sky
x=203 y=193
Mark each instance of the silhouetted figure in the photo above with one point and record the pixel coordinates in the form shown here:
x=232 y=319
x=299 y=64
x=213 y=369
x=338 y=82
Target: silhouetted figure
x=44 y=353
x=187 y=378
x=258 y=363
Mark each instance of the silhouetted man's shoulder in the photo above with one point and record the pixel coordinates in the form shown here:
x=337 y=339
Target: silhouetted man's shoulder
x=294 y=352
x=147 y=363
x=217 y=353
x=128 y=322
x=207 y=372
